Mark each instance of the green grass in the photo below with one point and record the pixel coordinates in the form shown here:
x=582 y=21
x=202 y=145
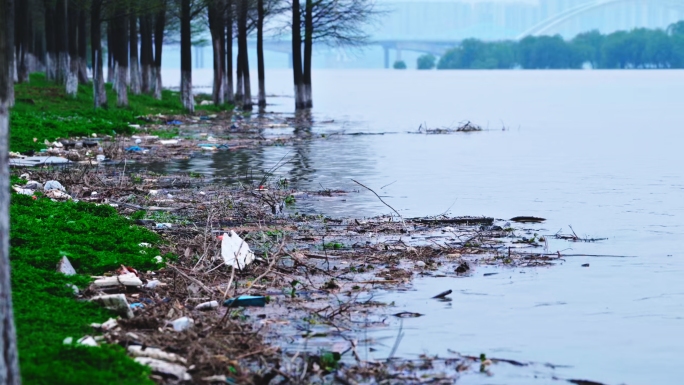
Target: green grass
x=43 y=111
x=96 y=240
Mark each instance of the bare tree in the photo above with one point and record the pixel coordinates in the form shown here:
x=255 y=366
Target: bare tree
x=296 y=26
x=260 y=54
x=332 y=22
x=9 y=363
x=159 y=25
x=189 y=9
x=62 y=40
x=146 y=51
x=99 y=94
x=120 y=47
x=134 y=64
x=72 y=27
x=229 y=93
x=22 y=39
x=83 y=44
x=50 y=42
x=216 y=10
x=243 y=55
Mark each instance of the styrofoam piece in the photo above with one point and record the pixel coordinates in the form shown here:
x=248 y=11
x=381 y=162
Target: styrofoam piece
x=128 y=279
x=137 y=351
x=87 y=341
x=235 y=251
x=165 y=368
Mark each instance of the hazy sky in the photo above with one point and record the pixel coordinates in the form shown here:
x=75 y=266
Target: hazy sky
x=460 y=1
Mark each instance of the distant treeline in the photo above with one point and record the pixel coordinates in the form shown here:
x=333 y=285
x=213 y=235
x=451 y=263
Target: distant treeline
x=639 y=48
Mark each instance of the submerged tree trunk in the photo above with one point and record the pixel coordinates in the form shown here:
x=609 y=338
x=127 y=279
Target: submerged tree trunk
x=120 y=33
x=133 y=50
x=260 y=54
x=244 y=56
x=229 y=93
x=159 y=25
x=9 y=362
x=62 y=40
x=146 y=53
x=99 y=94
x=50 y=47
x=186 y=57
x=308 y=52
x=239 y=89
x=297 y=55
x=216 y=27
x=82 y=47
x=72 y=74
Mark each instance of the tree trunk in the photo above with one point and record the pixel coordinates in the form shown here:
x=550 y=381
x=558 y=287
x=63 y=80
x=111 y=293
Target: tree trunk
x=186 y=57
x=297 y=55
x=244 y=56
x=159 y=25
x=240 y=89
x=9 y=51
x=146 y=53
x=22 y=40
x=72 y=75
x=111 y=61
x=83 y=47
x=230 y=95
x=50 y=47
x=133 y=49
x=99 y=94
x=62 y=40
x=217 y=29
x=9 y=362
x=260 y=54
x=308 y=52
x=120 y=34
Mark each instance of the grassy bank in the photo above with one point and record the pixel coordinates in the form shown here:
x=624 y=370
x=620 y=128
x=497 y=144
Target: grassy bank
x=43 y=111
x=96 y=240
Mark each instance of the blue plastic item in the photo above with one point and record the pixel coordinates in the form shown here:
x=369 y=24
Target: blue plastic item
x=137 y=305
x=246 y=300
x=174 y=122
x=133 y=149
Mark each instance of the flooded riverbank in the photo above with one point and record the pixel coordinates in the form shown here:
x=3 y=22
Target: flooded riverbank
x=595 y=150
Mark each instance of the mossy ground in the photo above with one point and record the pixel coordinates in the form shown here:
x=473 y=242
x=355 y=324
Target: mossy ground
x=43 y=111
x=95 y=239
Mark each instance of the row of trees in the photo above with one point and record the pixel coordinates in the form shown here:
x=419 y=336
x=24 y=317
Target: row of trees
x=57 y=35
x=639 y=48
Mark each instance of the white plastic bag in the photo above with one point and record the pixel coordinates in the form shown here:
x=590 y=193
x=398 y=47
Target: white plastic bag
x=235 y=251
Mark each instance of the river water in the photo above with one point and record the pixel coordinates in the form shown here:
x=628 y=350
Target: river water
x=597 y=150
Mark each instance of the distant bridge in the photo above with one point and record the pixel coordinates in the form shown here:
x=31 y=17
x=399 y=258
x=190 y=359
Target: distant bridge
x=434 y=47
x=547 y=25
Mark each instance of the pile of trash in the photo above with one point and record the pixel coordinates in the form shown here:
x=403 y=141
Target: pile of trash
x=52 y=189
x=130 y=294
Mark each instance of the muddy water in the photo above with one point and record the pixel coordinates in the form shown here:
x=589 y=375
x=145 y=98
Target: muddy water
x=600 y=151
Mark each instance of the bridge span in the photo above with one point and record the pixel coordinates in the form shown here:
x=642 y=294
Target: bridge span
x=434 y=47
